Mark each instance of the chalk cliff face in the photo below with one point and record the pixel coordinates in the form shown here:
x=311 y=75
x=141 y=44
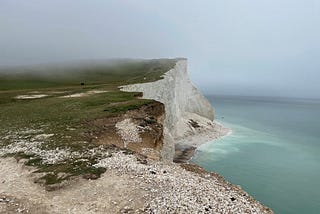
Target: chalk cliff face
x=188 y=114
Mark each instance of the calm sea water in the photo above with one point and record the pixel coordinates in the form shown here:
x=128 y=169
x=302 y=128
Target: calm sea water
x=273 y=152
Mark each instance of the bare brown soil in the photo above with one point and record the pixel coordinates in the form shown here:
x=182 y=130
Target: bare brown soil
x=148 y=118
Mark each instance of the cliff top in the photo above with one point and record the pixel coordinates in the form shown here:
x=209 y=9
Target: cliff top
x=91 y=73
x=47 y=112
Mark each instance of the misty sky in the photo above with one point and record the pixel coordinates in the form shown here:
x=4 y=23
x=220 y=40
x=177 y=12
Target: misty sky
x=247 y=47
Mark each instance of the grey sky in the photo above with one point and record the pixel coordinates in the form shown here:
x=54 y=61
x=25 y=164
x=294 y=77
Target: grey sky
x=266 y=47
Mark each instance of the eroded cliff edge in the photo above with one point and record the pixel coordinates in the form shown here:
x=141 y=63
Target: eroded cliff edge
x=122 y=148
x=189 y=117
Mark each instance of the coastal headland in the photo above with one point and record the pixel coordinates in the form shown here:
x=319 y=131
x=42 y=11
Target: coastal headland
x=101 y=137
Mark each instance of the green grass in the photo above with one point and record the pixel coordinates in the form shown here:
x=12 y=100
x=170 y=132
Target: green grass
x=66 y=118
x=114 y=73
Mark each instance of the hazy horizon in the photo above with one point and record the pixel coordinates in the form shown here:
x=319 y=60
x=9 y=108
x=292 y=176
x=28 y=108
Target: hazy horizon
x=265 y=48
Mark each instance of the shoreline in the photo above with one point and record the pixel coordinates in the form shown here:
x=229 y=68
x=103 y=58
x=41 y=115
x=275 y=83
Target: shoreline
x=151 y=186
x=184 y=152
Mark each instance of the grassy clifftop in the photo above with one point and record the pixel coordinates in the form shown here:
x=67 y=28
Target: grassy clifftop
x=112 y=72
x=44 y=111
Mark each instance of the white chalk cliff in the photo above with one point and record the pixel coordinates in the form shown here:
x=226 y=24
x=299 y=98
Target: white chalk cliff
x=188 y=114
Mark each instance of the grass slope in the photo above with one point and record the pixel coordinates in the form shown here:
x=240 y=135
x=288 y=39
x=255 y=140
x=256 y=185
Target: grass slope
x=55 y=126
x=114 y=73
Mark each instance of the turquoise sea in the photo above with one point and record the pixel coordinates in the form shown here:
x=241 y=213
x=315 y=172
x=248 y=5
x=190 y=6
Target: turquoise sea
x=273 y=151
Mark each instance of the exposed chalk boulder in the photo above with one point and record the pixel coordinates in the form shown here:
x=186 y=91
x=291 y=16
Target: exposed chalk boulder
x=188 y=114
